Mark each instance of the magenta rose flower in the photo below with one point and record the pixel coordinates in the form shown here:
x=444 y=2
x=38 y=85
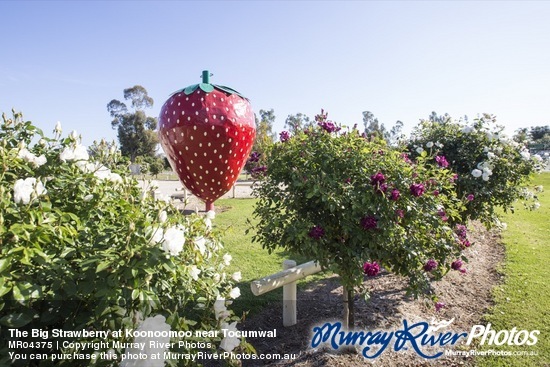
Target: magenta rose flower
x=369 y=222
x=395 y=194
x=284 y=136
x=442 y=161
x=417 y=190
x=457 y=265
x=371 y=269
x=430 y=265
x=316 y=232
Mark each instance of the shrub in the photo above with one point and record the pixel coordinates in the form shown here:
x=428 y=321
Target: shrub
x=341 y=200
x=82 y=247
x=492 y=170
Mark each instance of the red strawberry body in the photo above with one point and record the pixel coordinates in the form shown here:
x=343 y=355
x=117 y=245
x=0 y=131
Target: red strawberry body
x=207 y=136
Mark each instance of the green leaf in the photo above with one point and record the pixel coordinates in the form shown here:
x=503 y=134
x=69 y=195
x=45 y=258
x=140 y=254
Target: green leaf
x=102 y=266
x=4 y=264
x=4 y=289
x=16 y=320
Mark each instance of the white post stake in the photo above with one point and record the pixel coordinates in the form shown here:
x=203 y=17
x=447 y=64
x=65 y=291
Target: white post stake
x=289 y=297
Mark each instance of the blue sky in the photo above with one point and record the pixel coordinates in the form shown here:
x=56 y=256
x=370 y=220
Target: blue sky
x=64 y=61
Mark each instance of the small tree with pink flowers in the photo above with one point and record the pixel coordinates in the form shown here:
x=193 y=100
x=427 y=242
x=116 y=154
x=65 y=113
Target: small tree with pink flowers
x=355 y=205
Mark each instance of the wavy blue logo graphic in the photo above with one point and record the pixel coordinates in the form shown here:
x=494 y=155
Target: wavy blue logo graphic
x=416 y=336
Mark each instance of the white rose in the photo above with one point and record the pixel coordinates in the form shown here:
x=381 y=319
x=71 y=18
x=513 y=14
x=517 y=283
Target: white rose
x=419 y=150
x=174 y=238
x=229 y=343
x=24 y=190
x=525 y=155
x=163 y=216
x=200 y=244
x=477 y=173
x=75 y=153
x=227 y=259
x=237 y=276
x=155 y=325
x=429 y=144
x=220 y=310
x=194 y=272
x=235 y=293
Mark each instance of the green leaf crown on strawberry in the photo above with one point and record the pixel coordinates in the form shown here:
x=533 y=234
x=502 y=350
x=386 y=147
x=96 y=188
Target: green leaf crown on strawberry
x=207 y=132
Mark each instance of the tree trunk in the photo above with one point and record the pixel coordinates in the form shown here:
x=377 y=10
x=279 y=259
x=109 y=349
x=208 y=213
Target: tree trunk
x=349 y=319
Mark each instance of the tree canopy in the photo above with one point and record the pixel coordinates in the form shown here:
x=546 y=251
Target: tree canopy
x=135 y=130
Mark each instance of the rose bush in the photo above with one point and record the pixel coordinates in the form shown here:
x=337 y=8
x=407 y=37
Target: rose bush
x=340 y=199
x=492 y=170
x=83 y=247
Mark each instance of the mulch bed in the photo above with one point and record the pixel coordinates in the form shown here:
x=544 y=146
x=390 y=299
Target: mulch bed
x=467 y=298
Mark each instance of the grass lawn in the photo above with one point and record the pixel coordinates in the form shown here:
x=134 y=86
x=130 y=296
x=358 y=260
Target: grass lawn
x=249 y=258
x=523 y=300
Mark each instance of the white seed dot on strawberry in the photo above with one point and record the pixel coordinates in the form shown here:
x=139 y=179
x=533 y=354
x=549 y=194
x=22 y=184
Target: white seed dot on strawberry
x=180 y=153
x=220 y=156
x=191 y=161
x=205 y=120
x=168 y=120
x=200 y=145
x=217 y=135
x=209 y=144
x=191 y=137
x=182 y=112
x=186 y=147
x=179 y=104
x=205 y=133
x=178 y=121
x=205 y=154
x=196 y=113
x=189 y=118
x=214 y=117
x=193 y=104
x=173 y=113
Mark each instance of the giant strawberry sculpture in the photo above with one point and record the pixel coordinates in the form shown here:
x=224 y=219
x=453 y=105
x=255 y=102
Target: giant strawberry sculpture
x=207 y=132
